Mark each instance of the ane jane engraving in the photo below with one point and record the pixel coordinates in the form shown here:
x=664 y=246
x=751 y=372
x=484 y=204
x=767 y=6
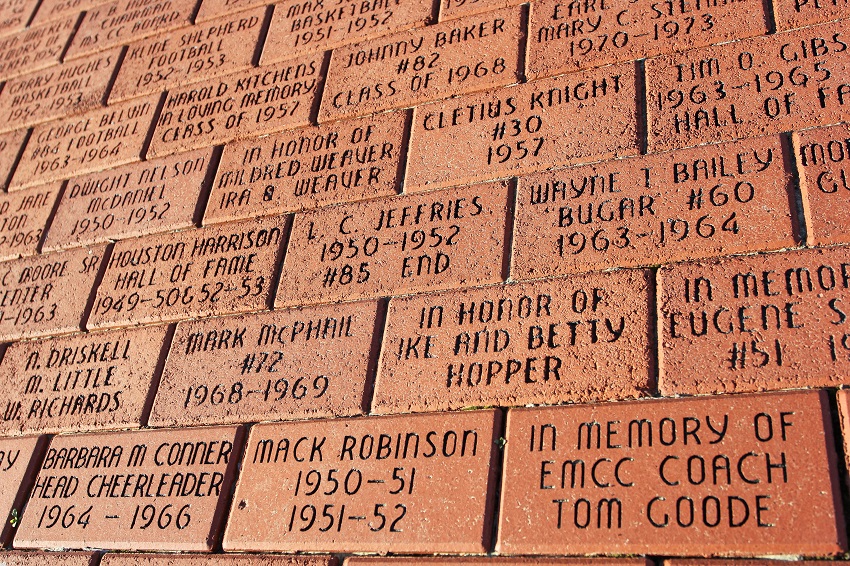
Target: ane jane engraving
x=190 y=55
x=396 y=245
x=218 y=270
x=326 y=164
x=11 y=147
x=415 y=483
x=673 y=477
x=23 y=216
x=34 y=48
x=765 y=85
x=132 y=200
x=567 y=36
x=685 y=204
x=153 y=490
x=270 y=366
x=83 y=382
x=754 y=323
x=582 y=339
x=93 y=141
x=264 y=100
x=822 y=156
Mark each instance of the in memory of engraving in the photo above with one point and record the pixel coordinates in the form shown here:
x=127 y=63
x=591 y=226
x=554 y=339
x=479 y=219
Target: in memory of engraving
x=123 y=21
x=23 y=216
x=79 y=383
x=734 y=475
x=382 y=484
x=686 y=204
x=287 y=364
x=412 y=67
x=34 y=48
x=308 y=26
x=823 y=155
x=258 y=101
x=17 y=458
x=57 y=92
x=97 y=140
x=311 y=167
x=396 y=245
x=568 y=36
x=133 y=200
x=775 y=321
x=150 y=490
x=580 y=339
x=47 y=294
x=188 y=55
x=765 y=85
x=524 y=128
x=209 y=271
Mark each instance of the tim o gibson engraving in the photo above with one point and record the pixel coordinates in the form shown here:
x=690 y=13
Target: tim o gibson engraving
x=34 y=48
x=245 y=104
x=23 y=216
x=151 y=490
x=823 y=156
x=411 y=67
x=691 y=203
x=286 y=364
x=315 y=166
x=188 y=55
x=737 y=475
x=765 y=85
x=383 y=484
x=524 y=128
x=209 y=271
x=47 y=294
x=759 y=322
x=396 y=245
x=133 y=200
x=82 y=382
x=97 y=140
x=568 y=36
x=579 y=339
x=57 y=92
x=17 y=457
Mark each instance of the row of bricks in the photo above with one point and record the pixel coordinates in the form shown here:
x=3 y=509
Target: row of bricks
x=763 y=85
x=754 y=323
x=748 y=475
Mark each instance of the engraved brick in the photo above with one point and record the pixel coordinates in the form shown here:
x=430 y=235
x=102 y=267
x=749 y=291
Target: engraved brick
x=56 y=92
x=11 y=147
x=94 y=141
x=412 y=67
x=526 y=128
x=51 y=11
x=790 y=14
x=567 y=37
x=307 y=168
x=23 y=217
x=79 y=383
x=305 y=27
x=385 y=484
x=188 y=55
x=124 y=21
x=581 y=339
x=211 y=9
x=257 y=101
x=19 y=460
x=206 y=560
x=764 y=85
x=146 y=490
x=452 y=9
x=775 y=321
x=47 y=294
x=731 y=476
x=14 y=558
x=686 y=204
x=396 y=245
x=35 y=48
x=822 y=156
x=14 y=14
x=209 y=271
x=133 y=200
x=286 y=364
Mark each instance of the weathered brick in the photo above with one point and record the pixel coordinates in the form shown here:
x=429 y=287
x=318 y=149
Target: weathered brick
x=205 y=560
x=14 y=14
x=19 y=461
